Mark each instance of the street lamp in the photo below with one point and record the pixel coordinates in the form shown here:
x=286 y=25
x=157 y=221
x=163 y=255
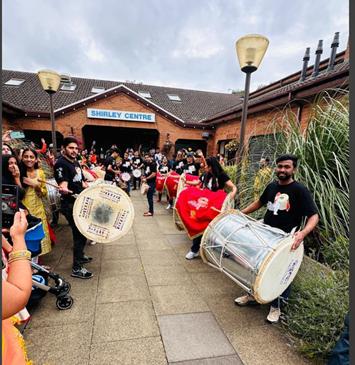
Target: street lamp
x=50 y=81
x=250 y=49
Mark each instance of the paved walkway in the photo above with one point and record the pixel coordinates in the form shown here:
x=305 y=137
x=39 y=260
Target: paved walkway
x=148 y=305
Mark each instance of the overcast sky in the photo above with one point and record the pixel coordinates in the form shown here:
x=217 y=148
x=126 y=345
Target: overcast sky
x=179 y=43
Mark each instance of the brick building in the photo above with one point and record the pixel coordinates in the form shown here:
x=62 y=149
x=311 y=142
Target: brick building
x=132 y=114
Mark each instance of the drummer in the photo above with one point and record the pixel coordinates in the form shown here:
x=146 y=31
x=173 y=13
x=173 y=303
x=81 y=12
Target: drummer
x=164 y=169
x=111 y=166
x=179 y=162
x=191 y=167
x=126 y=166
x=70 y=179
x=150 y=171
x=299 y=205
x=213 y=179
x=137 y=163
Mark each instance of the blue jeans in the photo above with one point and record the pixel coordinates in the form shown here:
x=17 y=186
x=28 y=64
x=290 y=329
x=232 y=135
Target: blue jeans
x=276 y=303
x=340 y=353
x=150 y=194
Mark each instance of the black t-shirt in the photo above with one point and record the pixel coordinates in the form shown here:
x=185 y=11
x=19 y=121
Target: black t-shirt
x=163 y=169
x=110 y=176
x=137 y=161
x=192 y=168
x=287 y=205
x=148 y=169
x=65 y=170
x=126 y=166
x=212 y=183
x=179 y=166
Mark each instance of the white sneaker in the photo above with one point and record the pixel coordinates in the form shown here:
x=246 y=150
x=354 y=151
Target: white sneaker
x=245 y=300
x=274 y=315
x=191 y=255
x=168 y=207
x=93 y=243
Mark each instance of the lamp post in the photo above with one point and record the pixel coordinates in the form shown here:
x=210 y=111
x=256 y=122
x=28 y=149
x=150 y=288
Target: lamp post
x=250 y=49
x=50 y=81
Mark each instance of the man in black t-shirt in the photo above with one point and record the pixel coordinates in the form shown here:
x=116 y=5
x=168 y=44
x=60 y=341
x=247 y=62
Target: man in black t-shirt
x=179 y=163
x=149 y=176
x=137 y=163
x=191 y=166
x=126 y=166
x=70 y=179
x=288 y=203
x=111 y=166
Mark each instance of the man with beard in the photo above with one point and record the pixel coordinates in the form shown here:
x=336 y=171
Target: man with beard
x=297 y=204
x=150 y=172
x=70 y=179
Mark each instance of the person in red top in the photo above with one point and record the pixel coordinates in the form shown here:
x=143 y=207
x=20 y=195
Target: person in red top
x=93 y=157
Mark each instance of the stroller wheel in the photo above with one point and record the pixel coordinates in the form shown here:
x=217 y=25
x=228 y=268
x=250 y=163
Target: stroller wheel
x=65 y=302
x=66 y=287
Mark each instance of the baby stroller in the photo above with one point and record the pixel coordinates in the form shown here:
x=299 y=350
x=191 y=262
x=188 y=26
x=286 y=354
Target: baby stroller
x=40 y=280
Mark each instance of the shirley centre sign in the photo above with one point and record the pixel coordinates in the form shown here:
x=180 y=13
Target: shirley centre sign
x=120 y=115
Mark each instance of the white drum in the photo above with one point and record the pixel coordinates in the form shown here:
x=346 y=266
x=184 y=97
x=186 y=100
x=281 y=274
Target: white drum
x=103 y=213
x=53 y=194
x=137 y=173
x=254 y=255
x=125 y=176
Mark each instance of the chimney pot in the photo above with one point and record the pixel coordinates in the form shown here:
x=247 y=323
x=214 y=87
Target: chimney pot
x=319 y=51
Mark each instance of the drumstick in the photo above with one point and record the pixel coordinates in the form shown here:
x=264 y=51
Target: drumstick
x=215 y=209
x=54 y=186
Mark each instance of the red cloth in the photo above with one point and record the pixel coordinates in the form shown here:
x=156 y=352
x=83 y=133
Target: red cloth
x=159 y=182
x=52 y=234
x=194 y=207
x=171 y=184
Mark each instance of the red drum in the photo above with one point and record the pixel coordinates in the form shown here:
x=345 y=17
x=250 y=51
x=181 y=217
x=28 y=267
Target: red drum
x=160 y=182
x=171 y=184
x=197 y=207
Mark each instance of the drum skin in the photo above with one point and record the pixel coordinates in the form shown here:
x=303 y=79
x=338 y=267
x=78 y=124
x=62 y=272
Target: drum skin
x=137 y=173
x=53 y=194
x=103 y=213
x=255 y=256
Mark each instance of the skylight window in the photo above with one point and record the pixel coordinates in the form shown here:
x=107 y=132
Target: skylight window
x=97 y=89
x=174 y=97
x=68 y=87
x=145 y=94
x=14 y=82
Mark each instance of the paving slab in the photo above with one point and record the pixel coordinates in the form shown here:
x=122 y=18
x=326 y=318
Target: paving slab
x=167 y=275
x=177 y=299
x=159 y=258
x=143 y=351
x=153 y=243
x=65 y=344
x=124 y=320
x=193 y=336
x=122 y=288
x=120 y=252
x=225 y=360
x=113 y=268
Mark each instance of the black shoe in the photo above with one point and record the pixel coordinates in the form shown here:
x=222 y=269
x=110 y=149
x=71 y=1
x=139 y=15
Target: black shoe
x=82 y=273
x=85 y=259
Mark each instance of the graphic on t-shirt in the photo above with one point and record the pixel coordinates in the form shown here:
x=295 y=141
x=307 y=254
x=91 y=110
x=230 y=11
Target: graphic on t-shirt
x=77 y=177
x=281 y=202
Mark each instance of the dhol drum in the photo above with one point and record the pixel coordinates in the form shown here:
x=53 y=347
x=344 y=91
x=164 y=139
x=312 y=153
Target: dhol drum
x=181 y=185
x=254 y=255
x=103 y=213
x=125 y=176
x=171 y=184
x=53 y=194
x=160 y=182
x=99 y=172
x=137 y=173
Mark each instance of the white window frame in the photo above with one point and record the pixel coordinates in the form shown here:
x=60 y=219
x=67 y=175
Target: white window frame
x=174 y=97
x=66 y=87
x=97 y=89
x=145 y=94
x=14 y=82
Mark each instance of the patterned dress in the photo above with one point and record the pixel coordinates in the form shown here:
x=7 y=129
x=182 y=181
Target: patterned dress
x=34 y=202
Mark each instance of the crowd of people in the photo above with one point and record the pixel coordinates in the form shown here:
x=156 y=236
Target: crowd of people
x=73 y=169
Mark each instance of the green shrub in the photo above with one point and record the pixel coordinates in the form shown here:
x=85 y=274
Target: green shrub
x=318 y=303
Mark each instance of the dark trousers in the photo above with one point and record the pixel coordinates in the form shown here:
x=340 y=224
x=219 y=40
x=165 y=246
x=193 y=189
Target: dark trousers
x=136 y=182
x=276 y=303
x=150 y=194
x=196 y=242
x=340 y=353
x=79 y=240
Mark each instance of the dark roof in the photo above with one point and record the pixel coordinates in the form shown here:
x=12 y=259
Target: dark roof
x=30 y=98
x=293 y=87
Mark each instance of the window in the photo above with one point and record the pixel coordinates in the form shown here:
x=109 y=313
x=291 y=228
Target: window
x=174 y=97
x=68 y=87
x=145 y=94
x=97 y=89
x=14 y=82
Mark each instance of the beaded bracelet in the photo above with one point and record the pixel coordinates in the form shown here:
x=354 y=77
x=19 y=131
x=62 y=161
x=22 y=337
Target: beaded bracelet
x=19 y=255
